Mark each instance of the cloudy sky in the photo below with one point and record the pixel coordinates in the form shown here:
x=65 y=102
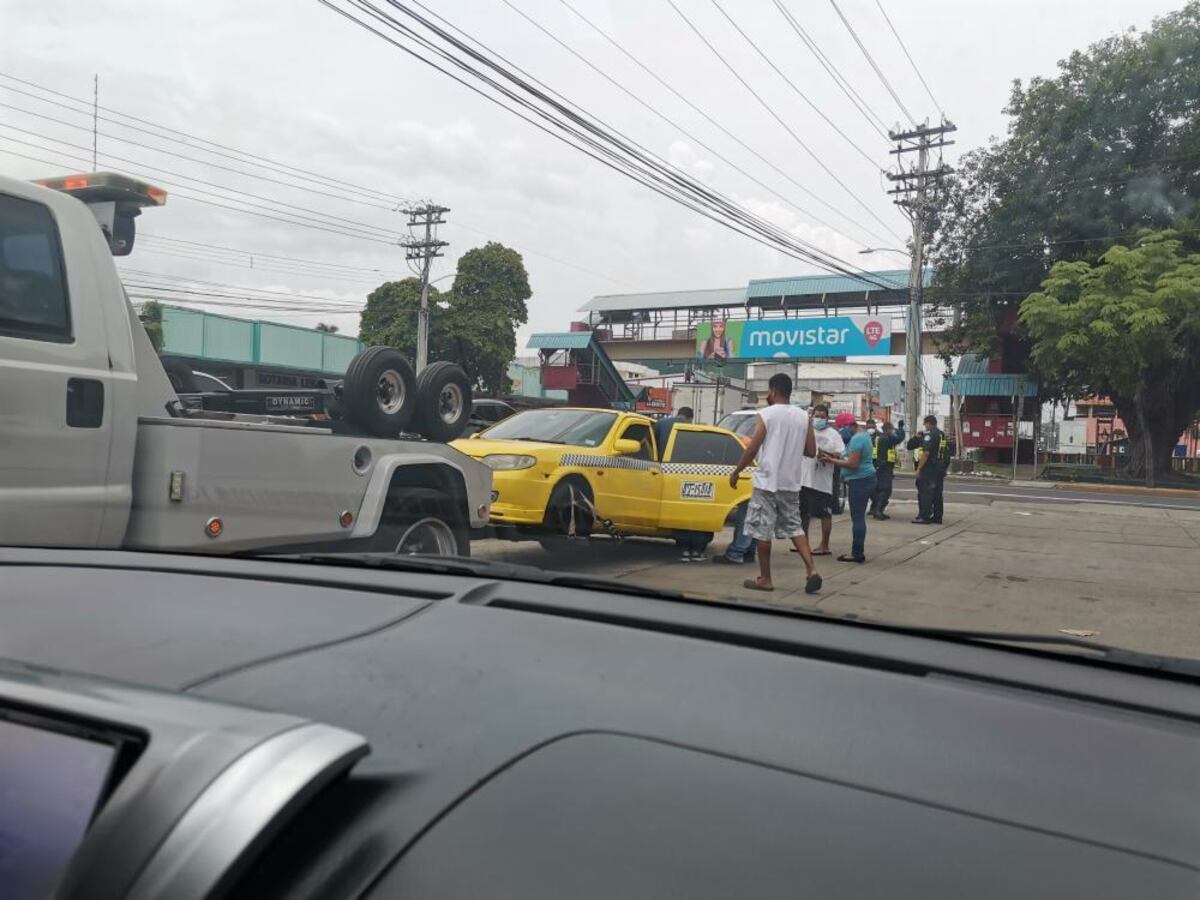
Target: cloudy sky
x=297 y=85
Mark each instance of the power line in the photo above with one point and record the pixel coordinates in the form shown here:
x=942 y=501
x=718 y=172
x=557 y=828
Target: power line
x=582 y=132
x=883 y=78
x=394 y=201
x=283 y=166
x=911 y=61
x=757 y=49
x=177 y=155
x=339 y=220
x=255 y=254
x=565 y=101
x=178 y=196
x=708 y=118
x=660 y=115
x=779 y=119
x=855 y=98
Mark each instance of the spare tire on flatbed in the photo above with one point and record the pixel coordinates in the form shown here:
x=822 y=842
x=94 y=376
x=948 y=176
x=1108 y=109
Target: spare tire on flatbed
x=380 y=391
x=443 y=401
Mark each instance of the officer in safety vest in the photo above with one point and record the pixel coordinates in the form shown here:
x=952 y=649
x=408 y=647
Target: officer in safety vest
x=931 y=471
x=885 y=441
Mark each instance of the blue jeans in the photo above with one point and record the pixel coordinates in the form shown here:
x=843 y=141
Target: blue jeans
x=861 y=490
x=742 y=548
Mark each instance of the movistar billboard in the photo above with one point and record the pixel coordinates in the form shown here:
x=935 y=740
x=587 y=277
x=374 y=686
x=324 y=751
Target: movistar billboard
x=793 y=338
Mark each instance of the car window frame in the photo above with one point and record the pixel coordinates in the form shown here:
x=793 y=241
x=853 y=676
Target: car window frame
x=64 y=334
x=735 y=451
x=649 y=426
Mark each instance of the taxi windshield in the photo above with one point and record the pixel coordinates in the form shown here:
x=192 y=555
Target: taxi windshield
x=582 y=427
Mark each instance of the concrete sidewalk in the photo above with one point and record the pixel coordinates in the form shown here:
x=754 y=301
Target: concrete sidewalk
x=1131 y=574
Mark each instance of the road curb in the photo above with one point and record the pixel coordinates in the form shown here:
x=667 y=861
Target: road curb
x=1113 y=488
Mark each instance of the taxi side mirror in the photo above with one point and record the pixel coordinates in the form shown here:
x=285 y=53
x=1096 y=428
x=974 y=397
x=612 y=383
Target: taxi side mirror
x=626 y=447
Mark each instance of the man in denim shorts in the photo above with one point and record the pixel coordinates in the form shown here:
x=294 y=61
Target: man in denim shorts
x=782 y=438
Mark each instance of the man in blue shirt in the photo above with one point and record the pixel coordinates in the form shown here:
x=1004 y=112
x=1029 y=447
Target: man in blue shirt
x=662 y=428
x=858 y=471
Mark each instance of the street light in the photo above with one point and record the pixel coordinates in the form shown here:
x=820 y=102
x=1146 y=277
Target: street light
x=884 y=250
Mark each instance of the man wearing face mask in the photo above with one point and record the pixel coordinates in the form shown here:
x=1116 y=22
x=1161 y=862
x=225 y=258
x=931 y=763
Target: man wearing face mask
x=816 y=480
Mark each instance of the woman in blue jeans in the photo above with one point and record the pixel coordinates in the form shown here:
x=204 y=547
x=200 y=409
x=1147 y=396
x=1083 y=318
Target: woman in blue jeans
x=857 y=465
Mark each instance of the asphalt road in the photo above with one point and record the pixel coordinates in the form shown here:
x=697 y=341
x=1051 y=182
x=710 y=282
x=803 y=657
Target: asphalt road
x=983 y=491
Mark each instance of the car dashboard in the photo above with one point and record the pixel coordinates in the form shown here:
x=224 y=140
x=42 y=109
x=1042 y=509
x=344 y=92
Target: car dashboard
x=228 y=727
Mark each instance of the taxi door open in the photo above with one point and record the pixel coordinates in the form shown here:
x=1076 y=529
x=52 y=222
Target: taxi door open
x=696 y=495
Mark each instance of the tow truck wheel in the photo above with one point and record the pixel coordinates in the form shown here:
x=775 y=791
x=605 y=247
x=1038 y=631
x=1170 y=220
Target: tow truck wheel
x=443 y=401
x=423 y=521
x=380 y=391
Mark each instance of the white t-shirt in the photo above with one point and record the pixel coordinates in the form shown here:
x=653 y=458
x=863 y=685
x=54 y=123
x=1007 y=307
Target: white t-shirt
x=819 y=475
x=779 y=457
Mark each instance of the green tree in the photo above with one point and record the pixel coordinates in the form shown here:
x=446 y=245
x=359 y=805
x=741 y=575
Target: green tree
x=1127 y=327
x=390 y=317
x=474 y=324
x=151 y=319
x=1105 y=148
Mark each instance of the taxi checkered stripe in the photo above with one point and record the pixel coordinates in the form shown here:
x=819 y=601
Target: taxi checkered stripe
x=606 y=462
x=696 y=469
x=586 y=460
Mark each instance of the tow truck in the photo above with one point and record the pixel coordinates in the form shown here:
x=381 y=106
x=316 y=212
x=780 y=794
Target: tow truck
x=98 y=450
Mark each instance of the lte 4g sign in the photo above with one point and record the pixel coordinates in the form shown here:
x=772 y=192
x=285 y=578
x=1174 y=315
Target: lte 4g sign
x=794 y=338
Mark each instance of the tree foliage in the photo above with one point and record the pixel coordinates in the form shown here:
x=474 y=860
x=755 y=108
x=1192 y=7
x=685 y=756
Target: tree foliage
x=1127 y=327
x=1106 y=148
x=474 y=324
x=151 y=318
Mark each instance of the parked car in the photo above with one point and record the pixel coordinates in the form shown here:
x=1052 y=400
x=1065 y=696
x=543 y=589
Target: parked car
x=564 y=470
x=740 y=423
x=486 y=413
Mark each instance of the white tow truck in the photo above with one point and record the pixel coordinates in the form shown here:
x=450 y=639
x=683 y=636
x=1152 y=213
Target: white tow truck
x=96 y=449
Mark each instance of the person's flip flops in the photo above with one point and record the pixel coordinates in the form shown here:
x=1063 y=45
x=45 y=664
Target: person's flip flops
x=822 y=553
x=844 y=558
x=751 y=585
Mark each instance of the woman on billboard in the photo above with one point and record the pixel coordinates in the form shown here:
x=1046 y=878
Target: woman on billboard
x=718 y=345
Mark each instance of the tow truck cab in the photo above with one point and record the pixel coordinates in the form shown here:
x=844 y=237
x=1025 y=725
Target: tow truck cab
x=97 y=451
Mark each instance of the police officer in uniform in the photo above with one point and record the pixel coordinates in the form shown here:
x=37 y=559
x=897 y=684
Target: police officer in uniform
x=931 y=471
x=885 y=442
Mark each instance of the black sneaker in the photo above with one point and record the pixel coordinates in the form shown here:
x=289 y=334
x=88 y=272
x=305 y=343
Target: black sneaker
x=919 y=521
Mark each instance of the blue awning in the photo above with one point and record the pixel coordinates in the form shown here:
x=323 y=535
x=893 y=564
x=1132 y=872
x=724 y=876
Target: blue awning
x=991 y=385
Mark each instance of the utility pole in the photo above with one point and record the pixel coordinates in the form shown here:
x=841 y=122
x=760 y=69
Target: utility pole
x=422 y=250
x=914 y=184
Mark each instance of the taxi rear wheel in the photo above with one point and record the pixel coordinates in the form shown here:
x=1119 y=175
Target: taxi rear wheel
x=570 y=495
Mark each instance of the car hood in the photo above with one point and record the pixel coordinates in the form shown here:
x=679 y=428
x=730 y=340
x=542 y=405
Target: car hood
x=481 y=447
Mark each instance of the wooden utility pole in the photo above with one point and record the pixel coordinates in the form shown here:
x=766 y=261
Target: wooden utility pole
x=423 y=250
x=914 y=185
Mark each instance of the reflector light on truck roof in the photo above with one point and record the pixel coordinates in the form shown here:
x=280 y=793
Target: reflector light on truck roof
x=99 y=187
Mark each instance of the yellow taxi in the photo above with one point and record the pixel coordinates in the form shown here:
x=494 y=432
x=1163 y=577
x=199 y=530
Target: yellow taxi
x=571 y=471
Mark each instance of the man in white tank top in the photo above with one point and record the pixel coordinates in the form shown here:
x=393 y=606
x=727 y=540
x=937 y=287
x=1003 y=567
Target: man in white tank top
x=782 y=438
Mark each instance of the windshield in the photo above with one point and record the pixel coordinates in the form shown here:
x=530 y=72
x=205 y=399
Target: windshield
x=580 y=427
x=740 y=423
x=950 y=250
